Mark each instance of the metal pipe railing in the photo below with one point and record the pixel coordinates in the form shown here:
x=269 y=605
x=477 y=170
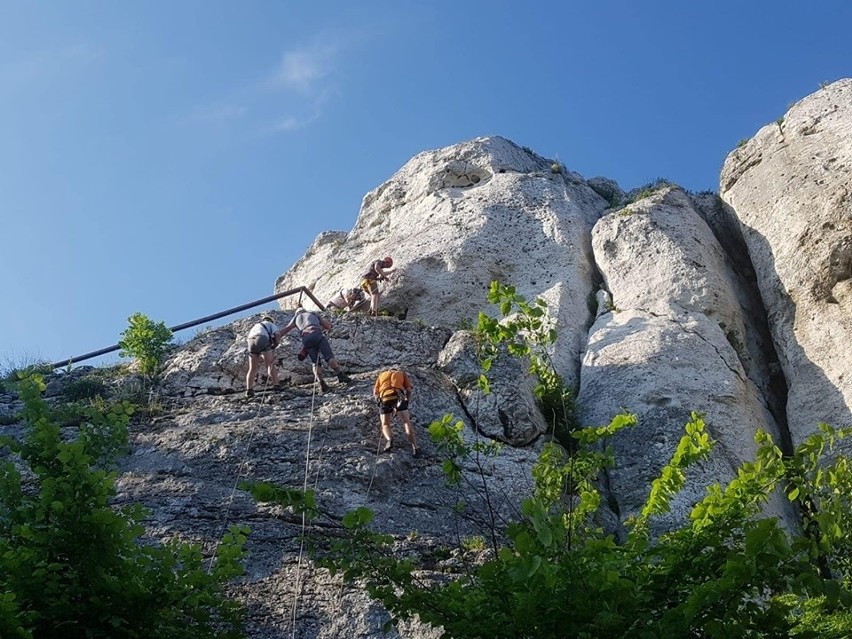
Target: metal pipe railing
x=207 y=318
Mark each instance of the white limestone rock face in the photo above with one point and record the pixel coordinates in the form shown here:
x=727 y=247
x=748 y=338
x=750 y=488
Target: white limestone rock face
x=185 y=463
x=215 y=362
x=791 y=189
x=755 y=347
x=658 y=254
x=667 y=349
x=456 y=218
x=509 y=413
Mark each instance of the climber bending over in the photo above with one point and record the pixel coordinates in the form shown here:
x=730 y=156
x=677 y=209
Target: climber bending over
x=314 y=342
x=263 y=337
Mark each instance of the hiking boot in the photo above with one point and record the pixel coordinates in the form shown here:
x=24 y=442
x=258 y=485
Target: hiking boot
x=387 y=447
x=249 y=393
x=323 y=386
x=343 y=378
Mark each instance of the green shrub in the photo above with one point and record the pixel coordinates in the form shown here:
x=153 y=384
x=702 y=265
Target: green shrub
x=87 y=387
x=71 y=565
x=647 y=190
x=608 y=190
x=729 y=571
x=527 y=331
x=24 y=367
x=147 y=342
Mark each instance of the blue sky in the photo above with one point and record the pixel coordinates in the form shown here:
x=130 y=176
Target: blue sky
x=174 y=158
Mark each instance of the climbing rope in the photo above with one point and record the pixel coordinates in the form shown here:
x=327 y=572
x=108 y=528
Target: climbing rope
x=298 y=585
x=375 y=466
x=243 y=463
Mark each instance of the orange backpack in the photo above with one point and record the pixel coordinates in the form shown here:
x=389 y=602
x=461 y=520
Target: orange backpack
x=392 y=384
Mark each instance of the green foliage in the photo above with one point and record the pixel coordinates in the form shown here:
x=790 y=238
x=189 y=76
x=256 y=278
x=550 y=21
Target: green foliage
x=146 y=341
x=71 y=564
x=608 y=192
x=742 y=142
x=647 y=190
x=21 y=368
x=87 y=387
x=527 y=331
x=727 y=572
x=449 y=442
x=592 y=303
x=300 y=501
x=475 y=543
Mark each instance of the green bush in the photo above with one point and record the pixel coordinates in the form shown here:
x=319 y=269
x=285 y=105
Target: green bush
x=72 y=566
x=526 y=331
x=23 y=367
x=607 y=190
x=646 y=190
x=728 y=572
x=87 y=387
x=147 y=342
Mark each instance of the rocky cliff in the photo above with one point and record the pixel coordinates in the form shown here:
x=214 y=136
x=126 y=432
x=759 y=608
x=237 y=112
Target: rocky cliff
x=666 y=302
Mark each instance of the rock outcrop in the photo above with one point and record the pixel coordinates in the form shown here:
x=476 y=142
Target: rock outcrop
x=186 y=465
x=455 y=219
x=672 y=342
x=790 y=188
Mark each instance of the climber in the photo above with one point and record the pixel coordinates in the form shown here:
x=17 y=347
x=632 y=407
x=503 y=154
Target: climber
x=369 y=281
x=262 y=339
x=314 y=342
x=392 y=392
x=347 y=299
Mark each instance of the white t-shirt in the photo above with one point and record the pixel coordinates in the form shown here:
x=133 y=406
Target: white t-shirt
x=263 y=327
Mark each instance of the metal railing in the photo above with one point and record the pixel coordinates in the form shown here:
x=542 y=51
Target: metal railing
x=206 y=318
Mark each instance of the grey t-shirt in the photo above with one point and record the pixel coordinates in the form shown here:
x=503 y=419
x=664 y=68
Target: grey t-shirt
x=307 y=321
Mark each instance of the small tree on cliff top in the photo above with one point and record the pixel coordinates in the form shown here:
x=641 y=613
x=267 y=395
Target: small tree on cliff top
x=146 y=341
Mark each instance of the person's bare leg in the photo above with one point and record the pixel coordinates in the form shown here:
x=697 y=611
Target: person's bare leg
x=254 y=364
x=387 y=433
x=271 y=368
x=405 y=418
x=318 y=377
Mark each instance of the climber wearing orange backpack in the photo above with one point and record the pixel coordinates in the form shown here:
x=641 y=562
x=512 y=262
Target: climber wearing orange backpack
x=377 y=272
x=392 y=392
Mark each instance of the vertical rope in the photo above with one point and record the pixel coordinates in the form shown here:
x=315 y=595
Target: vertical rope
x=243 y=462
x=298 y=585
